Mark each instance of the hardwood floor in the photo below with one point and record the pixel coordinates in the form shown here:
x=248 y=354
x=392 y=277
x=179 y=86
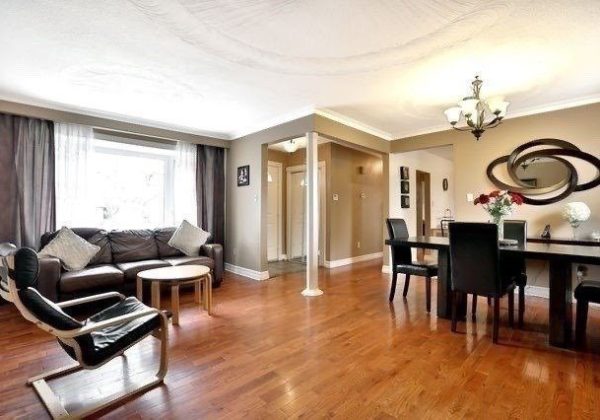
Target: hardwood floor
x=268 y=352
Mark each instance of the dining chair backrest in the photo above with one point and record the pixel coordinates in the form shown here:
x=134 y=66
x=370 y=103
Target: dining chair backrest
x=474 y=258
x=397 y=230
x=516 y=229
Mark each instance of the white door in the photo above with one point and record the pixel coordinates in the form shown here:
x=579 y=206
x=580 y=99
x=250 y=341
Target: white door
x=297 y=213
x=297 y=217
x=274 y=212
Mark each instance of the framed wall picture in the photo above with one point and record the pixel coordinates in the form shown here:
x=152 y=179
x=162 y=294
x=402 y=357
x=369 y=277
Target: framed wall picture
x=404 y=187
x=404 y=172
x=243 y=175
x=405 y=201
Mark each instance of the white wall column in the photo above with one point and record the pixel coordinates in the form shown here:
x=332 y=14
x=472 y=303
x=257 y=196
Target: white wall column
x=312 y=216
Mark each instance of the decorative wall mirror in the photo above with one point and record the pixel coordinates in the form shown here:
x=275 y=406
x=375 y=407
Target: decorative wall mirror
x=544 y=170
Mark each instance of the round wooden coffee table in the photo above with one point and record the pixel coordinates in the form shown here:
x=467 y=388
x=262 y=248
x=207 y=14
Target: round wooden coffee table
x=199 y=275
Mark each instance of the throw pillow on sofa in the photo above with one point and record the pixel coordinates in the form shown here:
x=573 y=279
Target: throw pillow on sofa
x=72 y=250
x=189 y=239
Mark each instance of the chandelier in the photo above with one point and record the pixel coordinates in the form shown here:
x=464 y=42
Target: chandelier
x=475 y=110
x=290 y=146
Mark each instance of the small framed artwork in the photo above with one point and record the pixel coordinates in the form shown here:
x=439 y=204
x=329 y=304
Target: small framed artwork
x=404 y=172
x=445 y=184
x=243 y=175
x=404 y=187
x=405 y=201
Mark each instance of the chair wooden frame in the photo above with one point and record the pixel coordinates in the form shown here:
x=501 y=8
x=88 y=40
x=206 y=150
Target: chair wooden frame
x=50 y=400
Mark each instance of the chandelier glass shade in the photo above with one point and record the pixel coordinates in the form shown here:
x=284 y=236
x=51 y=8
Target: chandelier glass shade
x=290 y=146
x=475 y=111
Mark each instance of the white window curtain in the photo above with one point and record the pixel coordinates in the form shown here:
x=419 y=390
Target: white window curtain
x=184 y=188
x=73 y=147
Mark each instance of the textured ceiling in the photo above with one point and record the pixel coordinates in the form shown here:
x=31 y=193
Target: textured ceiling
x=228 y=67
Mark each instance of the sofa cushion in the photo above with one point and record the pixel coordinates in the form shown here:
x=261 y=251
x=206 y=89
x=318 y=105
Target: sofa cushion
x=94 y=236
x=189 y=239
x=209 y=262
x=163 y=236
x=130 y=269
x=72 y=250
x=133 y=245
x=99 y=276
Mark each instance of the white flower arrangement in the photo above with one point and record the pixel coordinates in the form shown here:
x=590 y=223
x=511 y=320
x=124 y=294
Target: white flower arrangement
x=576 y=213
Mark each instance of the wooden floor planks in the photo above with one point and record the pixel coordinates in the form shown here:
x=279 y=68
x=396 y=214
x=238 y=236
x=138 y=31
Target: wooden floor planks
x=268 y=352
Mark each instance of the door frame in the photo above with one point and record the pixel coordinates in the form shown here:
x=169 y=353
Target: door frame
x=279 y=167
x=422 y=176
x=322 y=210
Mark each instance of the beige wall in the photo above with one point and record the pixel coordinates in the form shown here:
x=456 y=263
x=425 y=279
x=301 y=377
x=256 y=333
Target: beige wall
x=580 y=126
x=351 y=219
x=246 y=227
x=246 y=206
x=354 y=218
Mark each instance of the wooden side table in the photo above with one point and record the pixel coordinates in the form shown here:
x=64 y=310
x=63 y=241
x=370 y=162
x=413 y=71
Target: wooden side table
x=199 y=275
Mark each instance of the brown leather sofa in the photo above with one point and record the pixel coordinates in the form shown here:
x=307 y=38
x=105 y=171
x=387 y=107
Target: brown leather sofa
x=123 y=254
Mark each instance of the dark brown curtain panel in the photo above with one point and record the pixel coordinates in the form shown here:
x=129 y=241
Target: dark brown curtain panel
x=210 y=188
x=27 y=201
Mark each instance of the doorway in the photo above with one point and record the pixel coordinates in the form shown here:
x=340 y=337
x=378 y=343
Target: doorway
x=296 y=213
x=423 y=220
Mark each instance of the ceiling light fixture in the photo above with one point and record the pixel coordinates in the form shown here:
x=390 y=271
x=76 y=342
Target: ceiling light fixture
x=474 y=110
x=290 y=146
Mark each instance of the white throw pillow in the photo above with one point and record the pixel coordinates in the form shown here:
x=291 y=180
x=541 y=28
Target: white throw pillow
x=188 y=239
x=72 y=250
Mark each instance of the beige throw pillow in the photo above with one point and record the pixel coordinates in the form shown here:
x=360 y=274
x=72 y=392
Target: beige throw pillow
x=188 y=239
x=72 y=250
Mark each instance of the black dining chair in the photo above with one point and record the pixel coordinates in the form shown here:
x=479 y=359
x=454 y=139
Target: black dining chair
x=402 y=262
x=514 y=266
x=475 y=268
x=587 y=291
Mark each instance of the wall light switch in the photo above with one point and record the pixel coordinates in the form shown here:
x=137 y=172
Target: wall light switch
x=470 y=197
x=336 y=197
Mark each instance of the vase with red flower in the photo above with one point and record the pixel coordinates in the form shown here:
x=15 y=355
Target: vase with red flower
x=499 y=205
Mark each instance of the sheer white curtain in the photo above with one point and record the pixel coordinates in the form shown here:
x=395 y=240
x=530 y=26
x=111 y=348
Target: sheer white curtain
x=73 y=147
x=184 y=188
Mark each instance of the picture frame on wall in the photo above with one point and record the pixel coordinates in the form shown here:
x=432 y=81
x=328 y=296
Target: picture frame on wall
x=404 y=187
x=405 y=201
x=404 y=172
x=243 y=175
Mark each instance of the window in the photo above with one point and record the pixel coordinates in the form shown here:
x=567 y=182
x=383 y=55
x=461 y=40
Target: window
x=132 y=186
x=115 y=183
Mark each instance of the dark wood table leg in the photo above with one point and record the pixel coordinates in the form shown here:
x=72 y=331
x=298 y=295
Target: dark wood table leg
x=444 y=291
x=561 y=313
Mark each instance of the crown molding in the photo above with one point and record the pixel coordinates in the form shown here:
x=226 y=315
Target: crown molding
x=534 y=110
x=272 y=122
x=351 y=122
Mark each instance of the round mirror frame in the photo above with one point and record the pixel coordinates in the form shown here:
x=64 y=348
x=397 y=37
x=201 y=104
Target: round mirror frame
x=560 y=148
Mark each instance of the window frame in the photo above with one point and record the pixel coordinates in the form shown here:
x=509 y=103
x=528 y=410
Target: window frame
x=112 y=145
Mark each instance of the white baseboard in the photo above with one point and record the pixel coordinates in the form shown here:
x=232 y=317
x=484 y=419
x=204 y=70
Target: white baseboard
x=283 y=257
x=352 y=260
x=246 y=272
x=537 y=291
x=386 y=269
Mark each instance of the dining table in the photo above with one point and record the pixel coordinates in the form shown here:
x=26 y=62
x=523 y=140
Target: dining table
x=560 y=258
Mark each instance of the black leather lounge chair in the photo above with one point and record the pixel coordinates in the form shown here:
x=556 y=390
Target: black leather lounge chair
x=91 y=343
